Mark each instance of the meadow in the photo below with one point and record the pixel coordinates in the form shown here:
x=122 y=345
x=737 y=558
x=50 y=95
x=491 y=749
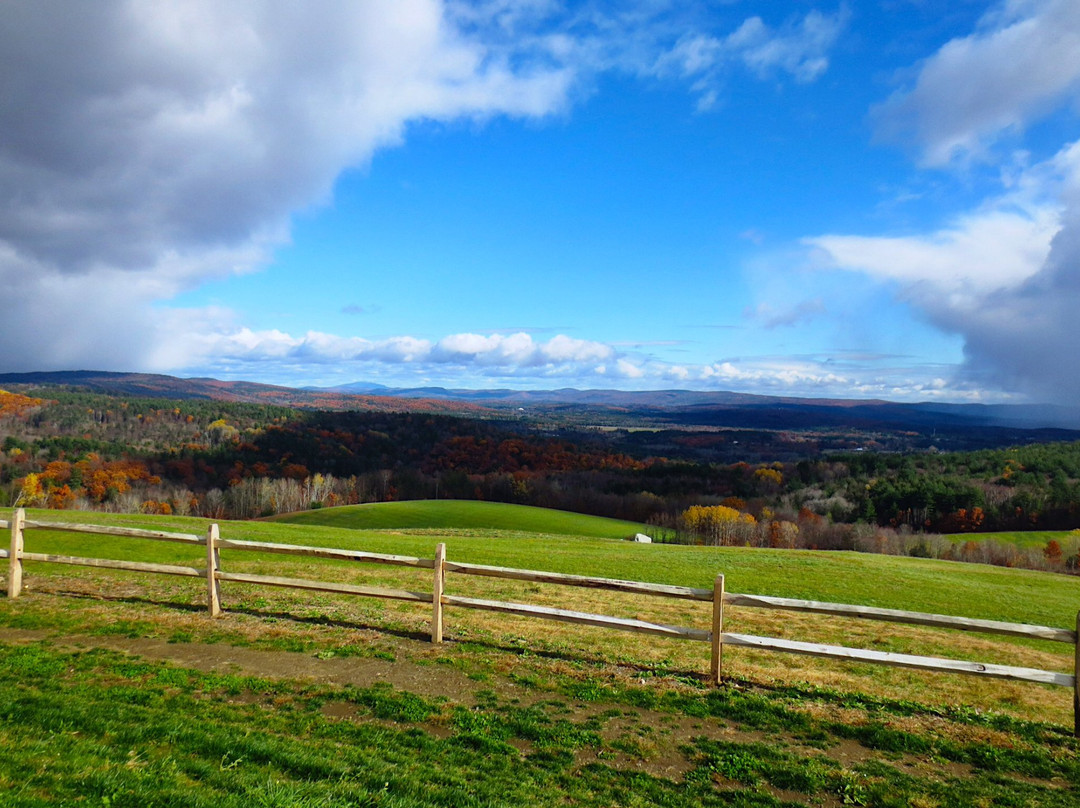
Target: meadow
x=1037 y=539
x=117 y=689
x=464 y=515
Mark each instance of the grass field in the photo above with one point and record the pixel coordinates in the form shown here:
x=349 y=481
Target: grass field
x=1022 y=538
x=948 y=587
x=464 y=515
x=300 y=699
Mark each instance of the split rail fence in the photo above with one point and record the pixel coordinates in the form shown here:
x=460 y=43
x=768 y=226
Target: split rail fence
x=439 y=599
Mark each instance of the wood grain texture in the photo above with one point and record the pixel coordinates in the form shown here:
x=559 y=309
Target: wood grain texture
x=901 y=660
x=113 y=564
x=107 y=530
x=1076 y=685
x=326 y=586
x=437 y=588
x=716 y=660
x=326 y=552
x=15 y=570
x=901 y=616
x=213 y=567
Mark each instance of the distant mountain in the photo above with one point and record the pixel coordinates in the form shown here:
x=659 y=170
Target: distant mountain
x=160 y=386
x=705 y=408
x=637 y=399
x=673 y=408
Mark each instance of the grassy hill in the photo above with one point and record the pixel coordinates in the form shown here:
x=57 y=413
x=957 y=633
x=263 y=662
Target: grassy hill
x=464 y=515
x=1021 y=538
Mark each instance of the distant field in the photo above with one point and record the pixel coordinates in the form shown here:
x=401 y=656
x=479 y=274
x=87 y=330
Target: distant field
x=464 y=515
x=1021 y=538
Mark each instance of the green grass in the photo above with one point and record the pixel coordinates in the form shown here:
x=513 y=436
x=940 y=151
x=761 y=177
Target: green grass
x=465 y=515
x=1021 y=538
x=558 y=715
x=947 y=587
x=98 y=728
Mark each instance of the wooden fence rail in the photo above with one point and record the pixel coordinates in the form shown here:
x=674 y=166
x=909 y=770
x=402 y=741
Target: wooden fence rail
x=899 y=616
x=438 y=598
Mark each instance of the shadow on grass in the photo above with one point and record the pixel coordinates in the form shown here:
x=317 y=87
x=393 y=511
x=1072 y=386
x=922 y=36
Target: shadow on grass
x=577 y=656
x=132 y=599
x=282 y=616
x=350 y=625
x=581 y=657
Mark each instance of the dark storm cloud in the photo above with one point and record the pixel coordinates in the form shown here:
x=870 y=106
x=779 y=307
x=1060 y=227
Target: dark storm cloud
x=147 y=147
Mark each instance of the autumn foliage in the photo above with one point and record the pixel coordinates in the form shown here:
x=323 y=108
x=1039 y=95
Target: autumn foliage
x=719 y=524
x=91 y=478
x=14 y=404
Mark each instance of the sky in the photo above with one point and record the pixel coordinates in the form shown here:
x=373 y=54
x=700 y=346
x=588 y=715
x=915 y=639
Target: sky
x=854 y=200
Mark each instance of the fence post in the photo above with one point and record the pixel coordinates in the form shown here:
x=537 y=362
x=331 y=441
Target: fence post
x=717 y=629
x=14 y=586
x=437 y=593
x=213 y=564
x=1076 y=683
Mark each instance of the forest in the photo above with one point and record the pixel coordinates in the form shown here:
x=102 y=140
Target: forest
x=68 y=448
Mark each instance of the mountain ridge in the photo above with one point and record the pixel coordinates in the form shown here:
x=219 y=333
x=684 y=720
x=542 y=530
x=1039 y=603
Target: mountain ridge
x=673 y=406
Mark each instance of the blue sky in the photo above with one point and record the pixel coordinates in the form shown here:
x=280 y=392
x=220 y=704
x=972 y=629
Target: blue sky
x=873 y=200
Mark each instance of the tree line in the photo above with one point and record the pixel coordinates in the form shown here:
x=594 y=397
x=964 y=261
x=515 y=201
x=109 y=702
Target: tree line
x=69 y=448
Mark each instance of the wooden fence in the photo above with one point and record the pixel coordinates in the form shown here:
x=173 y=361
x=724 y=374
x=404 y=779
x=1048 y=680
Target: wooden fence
x=438 y=598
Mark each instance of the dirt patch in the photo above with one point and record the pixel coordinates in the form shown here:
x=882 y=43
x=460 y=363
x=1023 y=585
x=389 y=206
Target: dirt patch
x=431 y=681
x=926 y=724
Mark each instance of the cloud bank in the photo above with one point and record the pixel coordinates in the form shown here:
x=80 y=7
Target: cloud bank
x=476 y=360
x=1005 y=276
x=148 y=148
x=1018 y=66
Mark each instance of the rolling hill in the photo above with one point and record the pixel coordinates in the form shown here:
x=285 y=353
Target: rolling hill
x=464 y=515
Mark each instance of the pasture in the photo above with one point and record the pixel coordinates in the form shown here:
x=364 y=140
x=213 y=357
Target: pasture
x=462 y=515
x=1022 y=538
x=302 y=699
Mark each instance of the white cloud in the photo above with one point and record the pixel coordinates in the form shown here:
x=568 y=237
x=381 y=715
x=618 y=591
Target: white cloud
x=475 y=360
x=980 y=252
x=1006 y=278
x=1023 y=62
x=561 y=348
x=147 y=148
x=784 y=375
x=628 y=370
x=513 y=353
x=799 y=48
x=172 y=141
x=518 y=350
